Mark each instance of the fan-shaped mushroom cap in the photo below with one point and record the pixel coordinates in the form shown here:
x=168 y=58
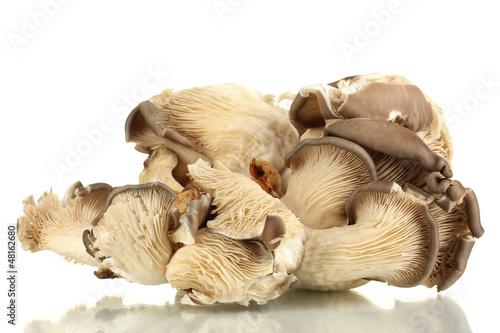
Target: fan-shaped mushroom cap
x=324 y=173
x=225 y=122
x=411 y=171
x=220 y=269
x=390 y=139
x=376 y=96
x=242 y=207
x=130 y=237
x=158 y=167
x=57 y=226
x=391 y=237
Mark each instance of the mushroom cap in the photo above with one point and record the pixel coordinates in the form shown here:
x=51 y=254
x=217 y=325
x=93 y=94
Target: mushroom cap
x=58 y=225
x=390 y=139
x=158 y=167
x=131 y=234
x=197 y=213
x=225 y=122
x=220 y=269
x=376 y=96
x=458 y=228
x=242 y=209
x=391 y=237
x=324 y=173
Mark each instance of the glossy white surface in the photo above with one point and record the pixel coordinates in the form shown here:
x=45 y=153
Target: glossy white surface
x=84 y=67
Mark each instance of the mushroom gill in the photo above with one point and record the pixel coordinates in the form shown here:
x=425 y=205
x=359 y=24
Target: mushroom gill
x=225 y=122
x=51 y=224
x=242 y=209
x=220 y=269
x=458 y=230
x=130 y=237
x=324 y=173
x=391 y=238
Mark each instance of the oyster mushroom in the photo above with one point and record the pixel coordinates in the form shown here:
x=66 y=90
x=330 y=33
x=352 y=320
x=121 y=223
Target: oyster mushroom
x=221 y=269
x=242 y=209
x=188 y=224
x=130 y=237
x=51 y=224
x=324 y=173
x=458 y=228
x=390 y=139
x=376 y=96
x=391 y=237
x=225 y=122
x=158 y=167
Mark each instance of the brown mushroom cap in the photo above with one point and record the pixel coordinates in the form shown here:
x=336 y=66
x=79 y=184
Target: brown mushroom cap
x=131 y=234
x=57 y=226
x=392 y=237
x=390 y=139
x=324 y=173
x=220 y=269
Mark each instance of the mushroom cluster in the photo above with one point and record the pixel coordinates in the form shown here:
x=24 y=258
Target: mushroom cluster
x=241 y=198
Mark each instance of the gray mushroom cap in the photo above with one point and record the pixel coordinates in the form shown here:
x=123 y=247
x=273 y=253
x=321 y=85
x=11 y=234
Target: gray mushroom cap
x=390 y=139
x=400 y=102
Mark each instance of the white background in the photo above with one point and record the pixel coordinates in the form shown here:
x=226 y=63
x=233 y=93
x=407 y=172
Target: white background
x=75 y=67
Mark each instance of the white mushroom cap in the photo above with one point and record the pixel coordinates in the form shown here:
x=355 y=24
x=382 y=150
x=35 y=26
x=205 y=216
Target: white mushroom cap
x=220 y=269
x=243 y=207
x=130 y=238
x=58 y=226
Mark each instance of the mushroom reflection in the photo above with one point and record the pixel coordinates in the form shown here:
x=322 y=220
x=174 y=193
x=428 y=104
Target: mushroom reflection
x=325 y=312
